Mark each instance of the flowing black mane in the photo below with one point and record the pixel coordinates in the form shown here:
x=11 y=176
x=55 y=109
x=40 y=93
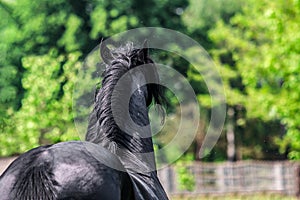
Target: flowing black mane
x=102 y=125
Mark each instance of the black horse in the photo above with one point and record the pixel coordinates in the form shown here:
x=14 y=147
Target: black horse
x=117 y=160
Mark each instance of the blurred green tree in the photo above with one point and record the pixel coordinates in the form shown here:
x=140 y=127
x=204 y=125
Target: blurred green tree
x=254 y=136
x=262 y=43
x=40 y=41
x=199 y=18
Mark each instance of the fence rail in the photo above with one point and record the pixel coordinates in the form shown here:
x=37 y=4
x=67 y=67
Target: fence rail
x=239 y=177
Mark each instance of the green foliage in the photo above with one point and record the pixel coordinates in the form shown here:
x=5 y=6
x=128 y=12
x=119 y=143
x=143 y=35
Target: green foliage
x=204 y=14
x=112 y=22
x=200 y=16
x=34 y=74
x=263 y=42
x=8 y=71
x=46 y=114
x=185 y=177
x=42 y=45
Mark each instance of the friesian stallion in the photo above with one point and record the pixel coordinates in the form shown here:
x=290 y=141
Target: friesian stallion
x=117 y=159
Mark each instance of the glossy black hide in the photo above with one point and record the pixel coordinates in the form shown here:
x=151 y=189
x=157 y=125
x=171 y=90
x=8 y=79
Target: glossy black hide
x=65 y=171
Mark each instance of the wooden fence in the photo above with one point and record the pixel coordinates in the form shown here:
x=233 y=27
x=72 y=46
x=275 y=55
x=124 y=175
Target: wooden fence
x=239 y=177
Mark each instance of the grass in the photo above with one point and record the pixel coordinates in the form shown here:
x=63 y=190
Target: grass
x=238 y=197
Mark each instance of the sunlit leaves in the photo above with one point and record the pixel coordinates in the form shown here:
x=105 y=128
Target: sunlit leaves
x=204 y=14
x=111 y=22
x=264 y=41
x=98 y=19
x=70 y=37
x=46 y=115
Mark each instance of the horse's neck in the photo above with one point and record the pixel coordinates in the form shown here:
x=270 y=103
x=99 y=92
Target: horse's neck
x=139 y=153
x=130 y=138
x=121 y=125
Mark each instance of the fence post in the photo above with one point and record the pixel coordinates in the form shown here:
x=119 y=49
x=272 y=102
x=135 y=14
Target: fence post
x=167 y=179
x=297 y=182
x=279 y=178
x=220 y=178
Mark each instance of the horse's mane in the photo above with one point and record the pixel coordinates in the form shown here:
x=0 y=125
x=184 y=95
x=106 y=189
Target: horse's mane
x=102 y=126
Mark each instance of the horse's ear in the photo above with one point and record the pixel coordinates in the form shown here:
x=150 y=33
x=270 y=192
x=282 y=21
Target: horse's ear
x=145 y=44
x=105 y=54
x=144 y=52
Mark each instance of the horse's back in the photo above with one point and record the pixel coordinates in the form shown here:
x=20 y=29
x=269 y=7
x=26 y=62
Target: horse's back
x=69 y=170
x=89 y=175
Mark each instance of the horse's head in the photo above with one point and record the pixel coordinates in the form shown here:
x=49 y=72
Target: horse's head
x=144 y=79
